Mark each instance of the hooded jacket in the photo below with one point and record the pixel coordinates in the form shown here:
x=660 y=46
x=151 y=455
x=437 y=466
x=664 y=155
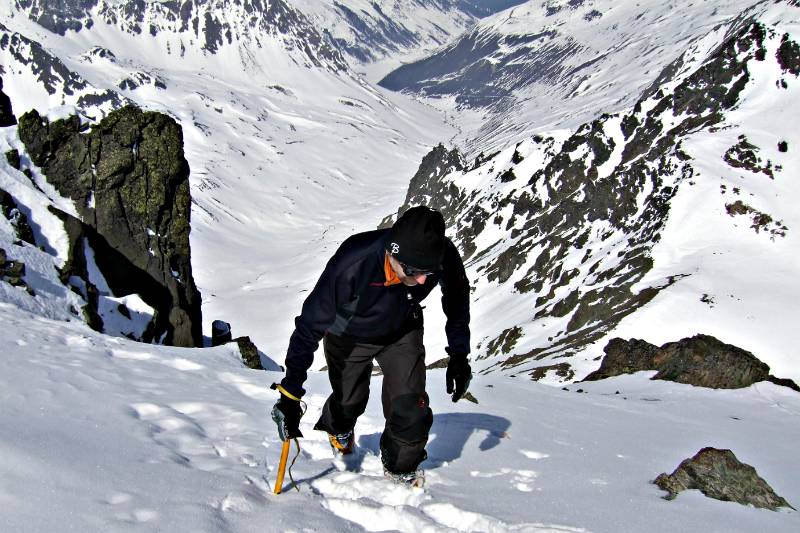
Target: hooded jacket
x=352 y=299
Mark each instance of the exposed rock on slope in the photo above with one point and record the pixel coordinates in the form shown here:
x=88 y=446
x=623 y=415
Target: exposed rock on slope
x=19 y=221
x=129 y=180
x=701 y=360
x=7 y=117
x=720 y=475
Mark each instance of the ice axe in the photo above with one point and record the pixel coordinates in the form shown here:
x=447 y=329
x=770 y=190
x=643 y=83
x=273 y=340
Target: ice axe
x=282 y=466
x=283 y=432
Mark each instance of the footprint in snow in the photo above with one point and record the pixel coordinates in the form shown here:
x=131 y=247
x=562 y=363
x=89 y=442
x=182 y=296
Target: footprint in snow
x=521 y=480
x=195 y=433
x=530 y=454
x=136 y=515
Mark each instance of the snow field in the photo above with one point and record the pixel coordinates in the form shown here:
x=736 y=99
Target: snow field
x=102 y=433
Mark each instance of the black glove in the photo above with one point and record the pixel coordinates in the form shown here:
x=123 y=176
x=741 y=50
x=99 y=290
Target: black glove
x=458 y=375
x=287 y=413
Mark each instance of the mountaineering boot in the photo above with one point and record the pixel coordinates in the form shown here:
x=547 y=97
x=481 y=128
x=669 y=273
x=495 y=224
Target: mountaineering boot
x=412 y=479
x=342 y=444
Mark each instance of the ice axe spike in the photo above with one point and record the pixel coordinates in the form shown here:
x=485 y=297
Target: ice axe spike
x=282 y=466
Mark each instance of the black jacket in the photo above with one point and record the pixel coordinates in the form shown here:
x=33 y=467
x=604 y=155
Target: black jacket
x=350 y=299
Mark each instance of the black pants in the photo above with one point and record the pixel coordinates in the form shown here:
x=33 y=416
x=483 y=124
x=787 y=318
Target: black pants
x=405 y=404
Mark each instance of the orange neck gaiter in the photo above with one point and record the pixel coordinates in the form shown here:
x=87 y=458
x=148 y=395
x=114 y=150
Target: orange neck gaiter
x=391 y=276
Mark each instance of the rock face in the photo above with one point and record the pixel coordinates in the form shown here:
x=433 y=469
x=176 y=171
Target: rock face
x=701 y=360
x=718 y=474
x=128 y=178
x=7 y=117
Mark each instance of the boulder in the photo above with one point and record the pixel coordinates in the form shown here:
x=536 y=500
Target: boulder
x=12 y=271
x=701 y=360
x=12 y=156
x=720 y=475
x=249 y=353
x=129 y=180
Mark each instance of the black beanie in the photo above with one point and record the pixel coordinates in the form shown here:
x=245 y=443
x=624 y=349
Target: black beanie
x=417 y=238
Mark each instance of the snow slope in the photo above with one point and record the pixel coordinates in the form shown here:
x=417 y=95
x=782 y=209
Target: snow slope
x=103 y=434
x=646 y=223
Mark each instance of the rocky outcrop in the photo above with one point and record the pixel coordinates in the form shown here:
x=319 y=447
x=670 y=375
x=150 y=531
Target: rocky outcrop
x=428 y=187
x=10 y=210
x=249 y=353
x=7 y=117
x=720 y=475
x=128 y=178
x=13 y=272
x=702 y=360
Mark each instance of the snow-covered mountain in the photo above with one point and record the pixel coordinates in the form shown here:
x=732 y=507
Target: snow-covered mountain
x=671 y=218
x=662 y=208
x=556 y=64
x=207 y=25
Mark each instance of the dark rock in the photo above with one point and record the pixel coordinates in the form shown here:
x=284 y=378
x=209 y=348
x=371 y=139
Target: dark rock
x=562 y=370
x=745 y=155
x=124 y=311
x=12 y=156
x=220 y=333
x=11 y=210
x=3 y=257
x=470 y=397
x=508 y=175
x=505 y=342
x=784 y=382
x=129 y=180
x=624 y=357
x=702 y=360
x=13 y=272
x=788 y=55
x=249 y=353
x=720 y=475
x=7 y=117
x=760 y=221
x=783 y=146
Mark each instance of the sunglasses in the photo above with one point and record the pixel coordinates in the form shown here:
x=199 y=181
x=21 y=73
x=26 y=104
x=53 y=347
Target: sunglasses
x=414 y=272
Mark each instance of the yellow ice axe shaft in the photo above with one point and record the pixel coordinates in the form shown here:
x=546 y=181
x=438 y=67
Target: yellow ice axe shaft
x=282 y=466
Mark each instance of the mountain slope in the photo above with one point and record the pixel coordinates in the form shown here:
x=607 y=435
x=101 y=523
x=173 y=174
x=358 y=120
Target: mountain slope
x=680 y=206
x=557 y=64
